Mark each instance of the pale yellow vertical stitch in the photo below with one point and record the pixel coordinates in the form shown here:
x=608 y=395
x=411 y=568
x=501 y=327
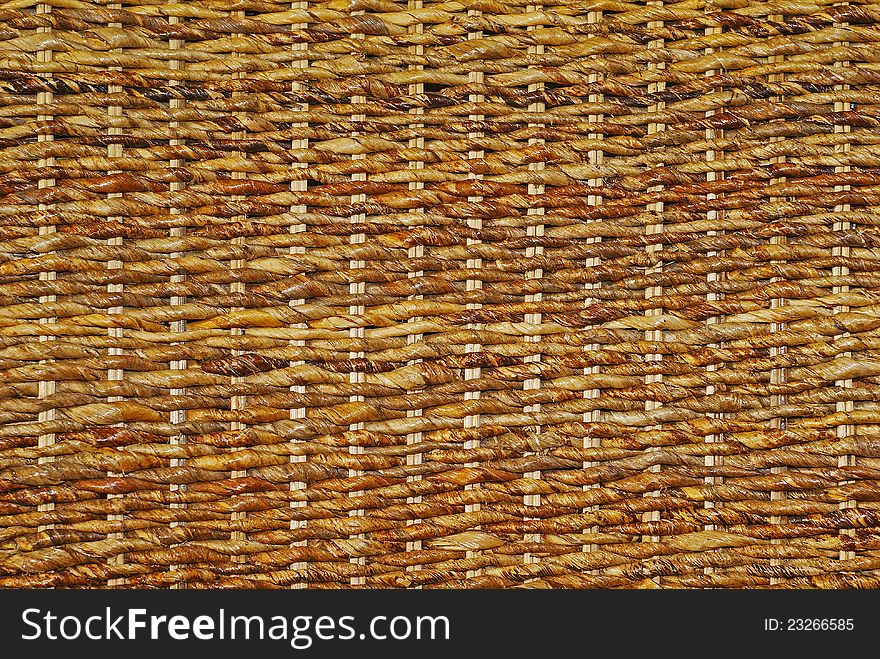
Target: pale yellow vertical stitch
x=415 y=252
x=46 y=388
x=357 y=288
x=114 y=151
x=535 y=231
x=237 y=401
x=301 y=184
x=474 y=283
x=714 y=216
x=596 y=158
x=777 y=374
x=844 y=407
x=177 y=233
x=655 y=227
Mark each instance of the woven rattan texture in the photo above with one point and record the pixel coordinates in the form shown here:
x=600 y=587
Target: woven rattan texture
x=439 y=294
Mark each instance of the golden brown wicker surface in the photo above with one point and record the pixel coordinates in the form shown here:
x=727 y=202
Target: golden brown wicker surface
x=440 y=294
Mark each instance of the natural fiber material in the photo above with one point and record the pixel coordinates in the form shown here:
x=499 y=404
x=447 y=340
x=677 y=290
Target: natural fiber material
x=439 y=294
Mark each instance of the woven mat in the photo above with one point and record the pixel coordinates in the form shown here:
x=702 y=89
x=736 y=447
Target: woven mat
x=439 y=294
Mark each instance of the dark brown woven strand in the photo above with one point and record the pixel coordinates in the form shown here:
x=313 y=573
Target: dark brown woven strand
x=439 y=294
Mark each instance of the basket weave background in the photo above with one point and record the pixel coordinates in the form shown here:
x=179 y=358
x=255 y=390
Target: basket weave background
x=439 y=294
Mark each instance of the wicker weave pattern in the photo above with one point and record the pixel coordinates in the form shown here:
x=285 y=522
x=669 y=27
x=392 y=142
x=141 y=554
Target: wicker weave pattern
x=439 y=294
